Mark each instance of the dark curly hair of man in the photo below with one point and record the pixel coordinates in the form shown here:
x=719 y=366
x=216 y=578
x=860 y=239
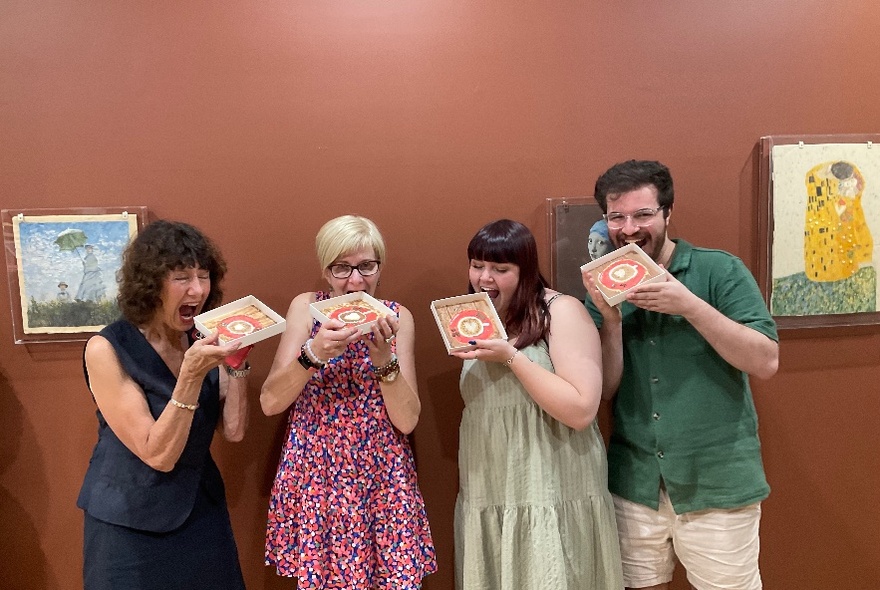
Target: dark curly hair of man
x=164 y=246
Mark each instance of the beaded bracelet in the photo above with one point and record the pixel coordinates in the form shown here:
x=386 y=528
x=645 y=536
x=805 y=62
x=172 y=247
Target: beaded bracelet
x=183 y=406
x=388 y=368
x=312 y=356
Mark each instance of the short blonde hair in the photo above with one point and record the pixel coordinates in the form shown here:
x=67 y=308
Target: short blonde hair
x=346 y=234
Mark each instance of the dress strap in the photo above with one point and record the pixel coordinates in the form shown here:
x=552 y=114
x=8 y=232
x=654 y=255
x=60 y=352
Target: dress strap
x=552 y=299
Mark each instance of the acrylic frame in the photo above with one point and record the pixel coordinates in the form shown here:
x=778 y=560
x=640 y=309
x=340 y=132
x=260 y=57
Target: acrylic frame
x=61 y=269
x=569 y=220
x=819 y=229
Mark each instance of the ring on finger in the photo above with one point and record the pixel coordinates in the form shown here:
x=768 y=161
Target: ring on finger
x=390 y=338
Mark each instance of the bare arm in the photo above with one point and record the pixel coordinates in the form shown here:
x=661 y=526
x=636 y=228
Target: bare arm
x=157 y=442
x=744 y=348
x=401 y=396
x=611 y=336
x=571 y=394
x=287 y=377
x=234 y=418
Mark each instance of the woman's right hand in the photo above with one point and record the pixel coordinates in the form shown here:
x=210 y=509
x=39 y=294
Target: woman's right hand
x=207 y=353
x=332 y=339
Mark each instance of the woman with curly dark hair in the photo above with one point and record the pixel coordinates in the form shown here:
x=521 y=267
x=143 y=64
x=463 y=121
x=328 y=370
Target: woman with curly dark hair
x=154 y=501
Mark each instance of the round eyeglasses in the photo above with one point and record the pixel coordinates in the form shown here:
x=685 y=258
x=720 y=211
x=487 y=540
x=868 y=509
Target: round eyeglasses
x=640 y=218
x=341 y=270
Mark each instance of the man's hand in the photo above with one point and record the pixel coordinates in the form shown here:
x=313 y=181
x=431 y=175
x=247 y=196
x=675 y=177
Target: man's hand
x=609 y=313
x=669 y=297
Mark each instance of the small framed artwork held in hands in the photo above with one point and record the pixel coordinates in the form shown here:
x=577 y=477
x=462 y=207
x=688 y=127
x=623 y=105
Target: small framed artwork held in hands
x=356 y=310
x=247 y=319
x=465 y=318
x=622 y=270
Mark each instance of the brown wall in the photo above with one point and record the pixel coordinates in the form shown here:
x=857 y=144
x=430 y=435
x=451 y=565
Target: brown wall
x=258 y=121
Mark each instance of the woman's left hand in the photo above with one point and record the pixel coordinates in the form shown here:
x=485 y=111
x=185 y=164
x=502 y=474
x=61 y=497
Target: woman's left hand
x=380 y=339
x=496 y=350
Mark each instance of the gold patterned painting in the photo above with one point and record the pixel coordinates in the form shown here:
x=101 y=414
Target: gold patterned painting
x=825 y=215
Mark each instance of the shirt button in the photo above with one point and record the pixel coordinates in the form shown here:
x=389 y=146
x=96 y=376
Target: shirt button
x=652 y=342
x=655 y=380
x=656 y=416
x=659 y=454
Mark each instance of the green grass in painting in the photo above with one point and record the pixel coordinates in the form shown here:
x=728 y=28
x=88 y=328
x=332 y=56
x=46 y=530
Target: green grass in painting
x=52 y=314
x=795 y=295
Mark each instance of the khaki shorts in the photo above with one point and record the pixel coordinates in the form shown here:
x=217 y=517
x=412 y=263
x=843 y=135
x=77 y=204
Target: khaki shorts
x=718 y=548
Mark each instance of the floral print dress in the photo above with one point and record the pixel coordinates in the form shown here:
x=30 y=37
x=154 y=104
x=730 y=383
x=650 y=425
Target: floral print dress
x=345 y=509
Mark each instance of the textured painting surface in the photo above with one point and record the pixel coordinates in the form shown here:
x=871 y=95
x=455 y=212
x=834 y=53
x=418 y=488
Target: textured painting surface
x=67 y=270
x=825 y=216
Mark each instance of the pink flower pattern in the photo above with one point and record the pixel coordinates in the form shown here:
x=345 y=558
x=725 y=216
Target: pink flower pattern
x=345 y=510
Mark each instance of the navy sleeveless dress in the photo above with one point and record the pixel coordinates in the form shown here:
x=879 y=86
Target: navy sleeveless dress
x=146 y=529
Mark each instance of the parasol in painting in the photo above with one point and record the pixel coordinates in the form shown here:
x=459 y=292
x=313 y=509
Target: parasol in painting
x=71 y=239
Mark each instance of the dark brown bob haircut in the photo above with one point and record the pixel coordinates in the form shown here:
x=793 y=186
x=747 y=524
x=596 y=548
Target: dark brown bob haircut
x=507 y=241
x=164 y=246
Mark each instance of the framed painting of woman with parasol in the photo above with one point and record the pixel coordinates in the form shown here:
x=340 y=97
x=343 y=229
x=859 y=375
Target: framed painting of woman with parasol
x=62 y=269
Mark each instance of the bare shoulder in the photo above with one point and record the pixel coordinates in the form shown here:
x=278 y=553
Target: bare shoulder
x=403 y=313
x=562 y=302
x=569 y=314
x=99 y=347
x=302 y=300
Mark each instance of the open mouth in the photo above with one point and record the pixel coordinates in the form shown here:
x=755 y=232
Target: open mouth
x=187 y=312
x=492 y=293
x=641 y=242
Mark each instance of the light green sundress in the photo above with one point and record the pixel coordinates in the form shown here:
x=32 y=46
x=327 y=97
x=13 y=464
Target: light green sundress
x=533 y=509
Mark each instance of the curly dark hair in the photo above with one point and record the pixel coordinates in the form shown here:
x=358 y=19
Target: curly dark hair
x=160 y=248
x=633 y=175
x=504 y=240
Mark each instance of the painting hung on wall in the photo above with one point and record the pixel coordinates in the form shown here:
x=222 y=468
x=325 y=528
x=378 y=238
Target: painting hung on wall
x=63 y=270
x=825 y=232
x=578 y=235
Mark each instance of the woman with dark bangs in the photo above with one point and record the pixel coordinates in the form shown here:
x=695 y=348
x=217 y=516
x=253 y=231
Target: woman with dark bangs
x=154 y=502
x=533 y=509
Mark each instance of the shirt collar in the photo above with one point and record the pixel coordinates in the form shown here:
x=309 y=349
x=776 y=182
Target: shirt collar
x=681 y=256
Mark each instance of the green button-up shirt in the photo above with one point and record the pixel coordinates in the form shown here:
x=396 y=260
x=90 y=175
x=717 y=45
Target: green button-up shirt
x=682 y=414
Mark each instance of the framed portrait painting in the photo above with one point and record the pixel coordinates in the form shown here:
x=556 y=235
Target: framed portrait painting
x=822 y=223
x=578 y=235
x=61 y=268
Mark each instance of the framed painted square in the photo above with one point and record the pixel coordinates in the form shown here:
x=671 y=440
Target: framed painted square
x=578 y=235
x=61 y=268
x=820 y=229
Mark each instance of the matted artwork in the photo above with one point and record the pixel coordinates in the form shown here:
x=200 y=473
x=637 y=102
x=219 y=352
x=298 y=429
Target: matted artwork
x=823 y=224
x=465 y=318
x=578 y=234
x=62 y=269
x=356 y=310
x=247 y=319
x=620 y=271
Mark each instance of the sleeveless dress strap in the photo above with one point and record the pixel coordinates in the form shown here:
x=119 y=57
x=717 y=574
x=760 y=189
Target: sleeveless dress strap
x=552 y=299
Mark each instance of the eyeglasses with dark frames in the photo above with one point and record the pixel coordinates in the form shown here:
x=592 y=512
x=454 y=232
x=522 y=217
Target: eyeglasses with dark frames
x=341 y=270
